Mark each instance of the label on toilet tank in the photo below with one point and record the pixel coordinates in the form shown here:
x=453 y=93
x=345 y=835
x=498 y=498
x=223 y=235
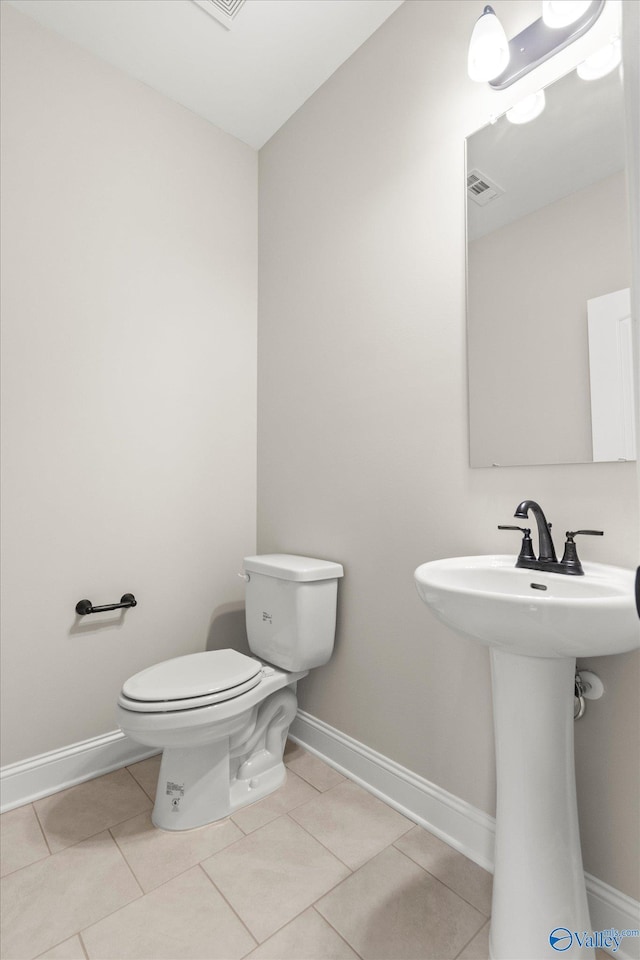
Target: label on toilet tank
x=175 y=789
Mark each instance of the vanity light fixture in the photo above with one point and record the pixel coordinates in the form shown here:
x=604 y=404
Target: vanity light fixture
x=560 y=13
x=532 y=46
x=602 y=62
x=527 y=109
x=488 y=48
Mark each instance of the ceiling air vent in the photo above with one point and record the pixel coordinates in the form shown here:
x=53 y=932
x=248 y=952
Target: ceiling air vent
x=224 y=11
x=481 y=189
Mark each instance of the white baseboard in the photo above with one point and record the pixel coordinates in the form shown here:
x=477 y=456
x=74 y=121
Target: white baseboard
x=458 y=823
x=51 y=772
x=455 y=821
x=609 y=908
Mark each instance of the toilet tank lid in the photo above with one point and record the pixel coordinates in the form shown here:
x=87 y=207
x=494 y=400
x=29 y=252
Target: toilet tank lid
x=285 y=566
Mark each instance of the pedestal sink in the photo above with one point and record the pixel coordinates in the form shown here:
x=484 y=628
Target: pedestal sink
x=535 y=624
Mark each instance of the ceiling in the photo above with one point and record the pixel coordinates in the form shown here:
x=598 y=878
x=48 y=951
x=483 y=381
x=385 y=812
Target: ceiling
x=247 y=80
x=578 y=140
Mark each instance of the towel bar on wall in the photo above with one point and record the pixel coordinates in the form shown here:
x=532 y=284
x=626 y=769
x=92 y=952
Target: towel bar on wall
x=83 y=607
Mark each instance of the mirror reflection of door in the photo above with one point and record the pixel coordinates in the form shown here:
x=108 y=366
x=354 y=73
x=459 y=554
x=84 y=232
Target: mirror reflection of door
x=611 y=376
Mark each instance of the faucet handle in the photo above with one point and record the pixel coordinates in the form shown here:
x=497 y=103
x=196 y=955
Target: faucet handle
x=570 y=561
x=526 y=550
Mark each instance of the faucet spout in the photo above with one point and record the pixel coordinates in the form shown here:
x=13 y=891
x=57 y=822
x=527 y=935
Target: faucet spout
x=547 y=553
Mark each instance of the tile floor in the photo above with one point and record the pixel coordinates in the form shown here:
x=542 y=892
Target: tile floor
x=320 y=869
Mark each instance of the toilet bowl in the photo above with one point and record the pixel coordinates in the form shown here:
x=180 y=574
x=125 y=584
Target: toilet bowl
x=221 y=718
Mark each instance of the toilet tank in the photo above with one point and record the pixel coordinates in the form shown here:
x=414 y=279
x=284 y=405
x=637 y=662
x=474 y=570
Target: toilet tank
x=291 y=609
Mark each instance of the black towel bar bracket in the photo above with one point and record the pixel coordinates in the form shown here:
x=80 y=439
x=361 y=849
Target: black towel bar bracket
x=83 y=607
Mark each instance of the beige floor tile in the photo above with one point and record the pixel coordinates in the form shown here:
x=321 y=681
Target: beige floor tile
x=21 y=839
x=315 y=771
x=292 y=751
x=89 y=808
x=273 y=874
x=392 y=908
x=49 y=901
x=185 y=917
x=455 y=870
x=292 y=793
x=71 y=949
x=156 y=856
x=308 y=937
x=352 y=823
x=146 y=773
x=478 y=949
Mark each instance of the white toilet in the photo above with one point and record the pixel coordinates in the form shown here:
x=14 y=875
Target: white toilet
x=221 y=718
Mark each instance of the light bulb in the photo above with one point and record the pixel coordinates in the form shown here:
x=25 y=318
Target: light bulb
x=560 y=13
x=602 y=62
x=527 y=109
x=488 y=48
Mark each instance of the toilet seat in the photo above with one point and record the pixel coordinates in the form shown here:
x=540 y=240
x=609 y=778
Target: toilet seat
x=196 y=680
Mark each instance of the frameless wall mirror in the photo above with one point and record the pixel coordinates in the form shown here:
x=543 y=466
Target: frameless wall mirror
x=548 y=272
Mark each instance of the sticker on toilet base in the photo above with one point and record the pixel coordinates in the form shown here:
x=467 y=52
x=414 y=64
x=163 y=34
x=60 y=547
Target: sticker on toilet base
x=175 y=804
x=175 y=789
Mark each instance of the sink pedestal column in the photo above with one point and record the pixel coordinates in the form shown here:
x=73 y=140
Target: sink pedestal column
x=539 y=880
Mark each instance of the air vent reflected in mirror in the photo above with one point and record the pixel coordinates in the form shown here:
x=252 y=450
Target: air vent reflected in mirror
x=481 y=189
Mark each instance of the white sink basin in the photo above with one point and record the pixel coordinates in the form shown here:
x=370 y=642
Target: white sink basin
x=533 y=613
x=535 y=624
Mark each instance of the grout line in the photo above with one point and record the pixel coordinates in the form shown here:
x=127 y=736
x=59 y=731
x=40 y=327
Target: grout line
x=39 y=822
x=26 y=865
x=127 y=864
x=328 y=849
x=472 y=938
x=46 y=842
x=103 y=829
x=338 y=857
x=69 y=846
x=152 y=798
x=241 y=829
x=440 y=880
x=343 y=938
x=84 y=949
x=412 y=826
x=323 y=894
x=298 y=776
x=145 y=893
x=483 y=916
x=284 y=926
x=59 y=944
x=302 y=776
x=78 y=933
x=230 y=905
x=138 y=784
x=276 y=816
x=120 y=823
x=191 y=866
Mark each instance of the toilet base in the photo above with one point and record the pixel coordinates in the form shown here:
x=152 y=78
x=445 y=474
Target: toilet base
x=201 y=784
x=192 y=784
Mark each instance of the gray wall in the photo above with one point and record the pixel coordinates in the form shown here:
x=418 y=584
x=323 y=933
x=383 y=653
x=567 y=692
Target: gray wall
x=362 y=453
x=129 y=265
